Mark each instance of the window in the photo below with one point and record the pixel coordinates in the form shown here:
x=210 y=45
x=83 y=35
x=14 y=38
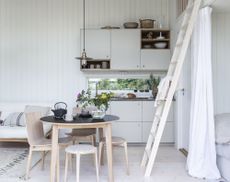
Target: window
x=122 y=86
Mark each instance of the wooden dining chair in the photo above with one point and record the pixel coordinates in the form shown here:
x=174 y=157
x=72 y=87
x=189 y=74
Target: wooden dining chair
x=38 y=142
x=88 y=134
x=116 y=141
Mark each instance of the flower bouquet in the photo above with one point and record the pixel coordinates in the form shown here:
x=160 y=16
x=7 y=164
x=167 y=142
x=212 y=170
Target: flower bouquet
x=101 y=102
x=83 y=102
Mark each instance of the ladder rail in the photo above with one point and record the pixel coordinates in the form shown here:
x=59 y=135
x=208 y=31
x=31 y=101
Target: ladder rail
x=159 y=111
x=151 y=138
x=175 y=71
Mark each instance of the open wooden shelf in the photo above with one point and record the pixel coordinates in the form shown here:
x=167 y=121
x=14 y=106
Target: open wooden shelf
x=150 y=36
x=96 y=64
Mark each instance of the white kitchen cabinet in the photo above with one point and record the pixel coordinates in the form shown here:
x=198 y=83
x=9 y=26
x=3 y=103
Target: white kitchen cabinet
x=155 y=59
x=149 y=110
x=168 y=134
x=97 y=43
x=131 y=131
x=127 y=110
x=125 y=49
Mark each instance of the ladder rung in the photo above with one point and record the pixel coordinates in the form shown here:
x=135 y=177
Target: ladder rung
x=158 y=116
x=184 y=28
x=179 y=44
x=147 y=153
x=174 y=62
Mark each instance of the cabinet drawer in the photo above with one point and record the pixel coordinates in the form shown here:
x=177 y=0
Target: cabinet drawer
x=126 y=110
x=155 y=59
x=131 y=131
x=149 y=110
x=168 y=135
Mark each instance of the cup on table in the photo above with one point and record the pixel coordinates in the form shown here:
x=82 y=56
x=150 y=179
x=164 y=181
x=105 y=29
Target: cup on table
x=68 y=117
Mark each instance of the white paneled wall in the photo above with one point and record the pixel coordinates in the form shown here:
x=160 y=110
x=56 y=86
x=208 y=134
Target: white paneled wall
x=39 y=40
x=221 y=61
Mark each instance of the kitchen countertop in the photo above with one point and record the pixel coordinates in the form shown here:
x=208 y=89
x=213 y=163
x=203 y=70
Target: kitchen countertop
x=134 y=99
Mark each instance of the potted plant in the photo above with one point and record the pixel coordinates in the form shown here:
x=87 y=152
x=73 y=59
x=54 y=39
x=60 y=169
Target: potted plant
x=83 y=101
x=153 y=83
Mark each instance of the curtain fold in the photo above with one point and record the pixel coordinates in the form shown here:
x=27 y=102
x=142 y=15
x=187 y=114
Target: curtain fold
x=201 y=160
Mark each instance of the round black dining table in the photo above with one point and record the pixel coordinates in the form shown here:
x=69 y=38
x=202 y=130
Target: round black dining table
x=104 y=126
x=75 y=120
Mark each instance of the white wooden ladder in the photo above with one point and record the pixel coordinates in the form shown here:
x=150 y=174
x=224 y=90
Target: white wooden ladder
x=169 y=84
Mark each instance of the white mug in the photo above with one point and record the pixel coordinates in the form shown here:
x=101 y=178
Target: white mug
x=68 y=117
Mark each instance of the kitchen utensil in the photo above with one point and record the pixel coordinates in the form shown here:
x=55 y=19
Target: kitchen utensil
x=147 y=23
x=131 y=25
x=160 y=45
x=60 y=110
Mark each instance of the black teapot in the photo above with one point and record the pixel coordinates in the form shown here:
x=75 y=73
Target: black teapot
x=60 y=110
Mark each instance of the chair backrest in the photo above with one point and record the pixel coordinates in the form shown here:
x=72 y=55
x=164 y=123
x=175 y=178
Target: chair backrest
x=34 y=128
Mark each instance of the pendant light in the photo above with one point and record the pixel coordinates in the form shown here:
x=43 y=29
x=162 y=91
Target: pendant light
x=84 y=57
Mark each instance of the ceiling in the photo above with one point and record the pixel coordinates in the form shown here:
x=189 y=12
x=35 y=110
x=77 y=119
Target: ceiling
x=221 y=6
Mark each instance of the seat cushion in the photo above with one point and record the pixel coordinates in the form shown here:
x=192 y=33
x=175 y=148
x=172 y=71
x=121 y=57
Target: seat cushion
x=18 y=132
x=223 y=150
x=222 y=127
x=81 y=149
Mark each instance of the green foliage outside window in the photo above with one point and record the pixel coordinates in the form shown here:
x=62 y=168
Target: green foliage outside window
x=124 y=84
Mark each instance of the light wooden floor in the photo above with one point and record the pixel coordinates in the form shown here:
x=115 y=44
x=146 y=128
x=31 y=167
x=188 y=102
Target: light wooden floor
x=170 y=167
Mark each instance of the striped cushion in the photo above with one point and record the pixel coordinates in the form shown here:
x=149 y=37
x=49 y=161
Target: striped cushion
x=15 y=119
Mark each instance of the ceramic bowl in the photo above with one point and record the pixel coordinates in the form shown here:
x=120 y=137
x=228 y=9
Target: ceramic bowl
x=160 y=45
x=131 y=25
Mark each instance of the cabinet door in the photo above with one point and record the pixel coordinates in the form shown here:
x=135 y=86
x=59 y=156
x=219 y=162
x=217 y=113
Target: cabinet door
x=125 y=49
x=149 y=110
x=126 y=110
x=155 y=59
x=131 y=131
x=168 y=134
x=97 y=43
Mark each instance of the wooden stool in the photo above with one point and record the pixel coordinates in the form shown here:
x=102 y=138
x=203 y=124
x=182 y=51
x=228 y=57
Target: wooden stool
x=116 y=141
x=78 y=150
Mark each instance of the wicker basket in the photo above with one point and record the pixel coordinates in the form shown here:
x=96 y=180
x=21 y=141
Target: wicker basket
x=147 y=23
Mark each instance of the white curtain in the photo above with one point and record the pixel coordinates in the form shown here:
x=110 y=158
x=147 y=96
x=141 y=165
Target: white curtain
x=201 y=161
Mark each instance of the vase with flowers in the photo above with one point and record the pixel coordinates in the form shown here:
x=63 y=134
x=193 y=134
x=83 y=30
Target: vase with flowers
x=101 y=102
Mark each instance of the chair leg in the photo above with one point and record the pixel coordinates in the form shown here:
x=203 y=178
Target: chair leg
x=78 y=168
x=94 y=140
x=96 y=165
x=126 y=158
x=58 y=165
x=66 y=166
x=28 y=163
x=71 y=157
x=100 y=153
x=43 y=160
